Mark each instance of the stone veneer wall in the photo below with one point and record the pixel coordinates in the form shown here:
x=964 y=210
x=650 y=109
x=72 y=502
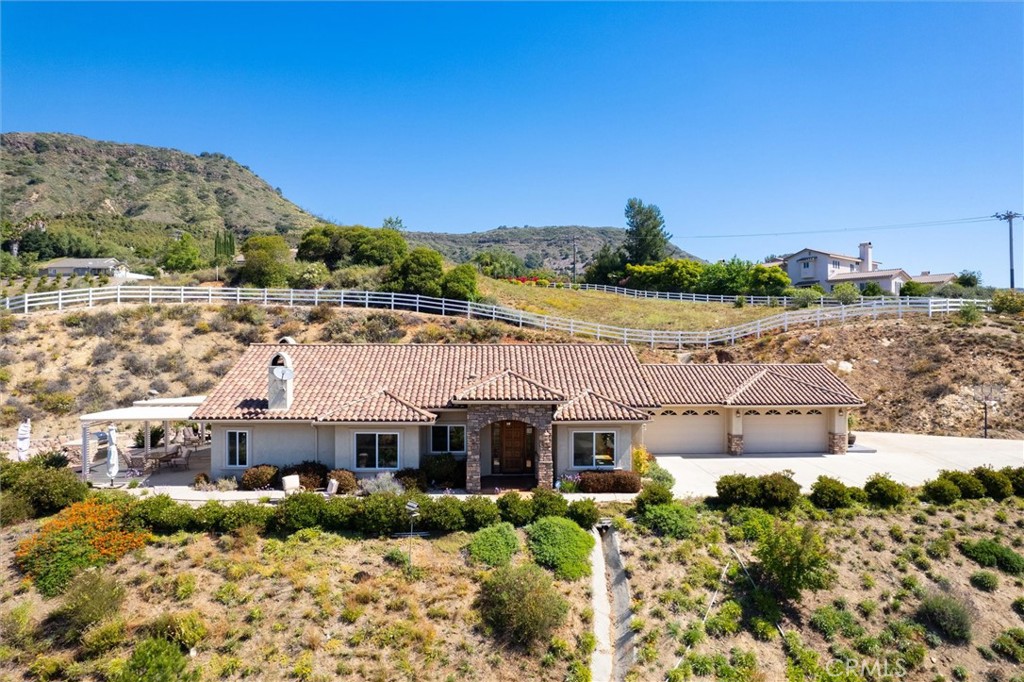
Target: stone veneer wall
x=735 y=444
x=837 y=443
x=537 y=416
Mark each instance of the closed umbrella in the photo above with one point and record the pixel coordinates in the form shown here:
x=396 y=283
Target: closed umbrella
x=112 y=463
x=24 y=439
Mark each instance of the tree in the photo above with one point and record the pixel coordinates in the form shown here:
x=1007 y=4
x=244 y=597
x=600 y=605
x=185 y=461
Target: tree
x=378 y=247
x=646 y=238
x=607 y=266
x=310 y=276
x=267 y=261
x=420 y=272
x=182 y=255
x=460 y=283
x=767 y=281
x=794 y=558
x=499 y=264
x=671 y=274
x=393 y=223
x=726 y=278
x=914 y=289
x=872 y=289
x=969 y=278
x=846 y=293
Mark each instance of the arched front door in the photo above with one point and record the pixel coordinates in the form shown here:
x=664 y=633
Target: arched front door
x=512 y=447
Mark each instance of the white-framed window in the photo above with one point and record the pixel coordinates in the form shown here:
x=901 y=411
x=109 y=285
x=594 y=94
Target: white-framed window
x=835 y=264
x=592 y=449
x=448 y=438
x=807 y=265
x=237 y=449
x=376 y=451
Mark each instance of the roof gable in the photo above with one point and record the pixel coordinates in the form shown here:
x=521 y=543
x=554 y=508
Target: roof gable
x=509 y=386
x=591 y=406
x=772 y=387
x=810 y=384
x=379 y=406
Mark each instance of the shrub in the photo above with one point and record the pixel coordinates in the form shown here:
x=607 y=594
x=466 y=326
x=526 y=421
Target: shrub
x=49 y=490
x=90 y=598
x=609 y=482
x=987 y=581
x=1016 y=476
x=300 y=510
x=970 y=487
x=259 y=477
x=443 y=514
x=104 y=636
x=494 y=545
x=384 y=482
x=659 y=474
x=522 y=604
x=991 y=554
x=160 y=514
x=584 y=512
x=156 y=660
x=346 y=480
x=652 y=495
x=15 y=509
x=245 y=514
x=831 y=620
x=830 y=493
x=88 y=533
x=754 y=523
x=882 y=491
x=515 y=509
x=772 y=491
x=156 y=434
x=444 y=471
x=726 y=620
x=794 y=558
x=480 y=512
x=559 y=544
x=940 y=491
x=997 y=485
x=547 y=502
x=184 y=629
x=1008 y=301
x=312 y=475
x=342 y=513
x=382 y=513
x=412 y=479
x=1010 y=645
x=947 y=615
x=672 y=520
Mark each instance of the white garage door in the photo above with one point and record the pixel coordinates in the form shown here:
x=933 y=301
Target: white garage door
x=686 y=432
x=784 y=431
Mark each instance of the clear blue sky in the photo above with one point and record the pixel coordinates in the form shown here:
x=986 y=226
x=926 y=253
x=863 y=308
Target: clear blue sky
x=734 y=118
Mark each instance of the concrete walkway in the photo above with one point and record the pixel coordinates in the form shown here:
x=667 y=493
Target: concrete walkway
x=600 y=601
x=909 y=458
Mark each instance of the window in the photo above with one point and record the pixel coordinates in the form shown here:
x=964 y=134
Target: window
x=668 y=413
x=773 y=412
x=851 y=267
x=835 y=264
x=448 y=438
x=793 y=412
x=238 y=448
x=750 y=412
x=376 y=451
x=711 y=413
x=593 y=449
x=818 y=412
x=807 y=265
x=690 y=413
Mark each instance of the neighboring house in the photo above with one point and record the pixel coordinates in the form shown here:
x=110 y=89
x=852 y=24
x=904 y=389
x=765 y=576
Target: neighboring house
x=889 y=280
x=83 y=266
x=540 y=410
x=936 y=280
x=808 y=267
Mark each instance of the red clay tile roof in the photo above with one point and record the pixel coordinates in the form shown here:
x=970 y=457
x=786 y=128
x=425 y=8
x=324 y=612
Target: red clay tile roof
x=748 y=385
x=509 y=386
x=588 y=405
x=380 y=406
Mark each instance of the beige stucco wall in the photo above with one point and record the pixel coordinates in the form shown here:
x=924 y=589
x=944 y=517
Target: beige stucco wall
x=409 y=440
x=277 y=444
x=625 y=435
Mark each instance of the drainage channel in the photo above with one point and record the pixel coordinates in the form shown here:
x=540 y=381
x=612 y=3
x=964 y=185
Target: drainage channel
x=614 y=654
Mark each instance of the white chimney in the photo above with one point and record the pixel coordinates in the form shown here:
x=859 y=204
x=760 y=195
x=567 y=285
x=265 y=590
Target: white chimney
x=280 y=378
x=866 y=264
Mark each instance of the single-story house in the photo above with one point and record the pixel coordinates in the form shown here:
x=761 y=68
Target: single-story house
x=83 y=266
x=890 y=281
x=541 y=410
x=935 y=280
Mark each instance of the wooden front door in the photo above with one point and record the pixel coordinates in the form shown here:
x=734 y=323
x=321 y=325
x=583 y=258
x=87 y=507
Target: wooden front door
x=513 y=447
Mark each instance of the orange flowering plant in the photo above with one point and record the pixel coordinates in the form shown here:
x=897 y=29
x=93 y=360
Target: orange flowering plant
x=89 y=533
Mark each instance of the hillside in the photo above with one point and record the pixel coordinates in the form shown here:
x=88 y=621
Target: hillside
x=67 y=175
x=548 y=247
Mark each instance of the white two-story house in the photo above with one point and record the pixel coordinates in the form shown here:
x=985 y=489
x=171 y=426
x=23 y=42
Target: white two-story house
x=808 y=267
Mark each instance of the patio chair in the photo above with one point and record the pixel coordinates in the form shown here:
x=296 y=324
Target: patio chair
x=291 y=484
x=181 y=461
x=332 y=489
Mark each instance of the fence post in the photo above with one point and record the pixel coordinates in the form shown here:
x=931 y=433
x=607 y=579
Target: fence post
x=25 y=301
x=316 y=297
x=707 y=339
x=817 y=320
x=929 y=307
x=150 y=295
x=291 y=298
x=181 y=294
x=899 y=307
x=785 y=321
x=366 y=299
x=119 y=293
x=442 y=307
x=341 y=298
x=759 y=329
x=265 y=297
x=209 y=295
x=60 y=299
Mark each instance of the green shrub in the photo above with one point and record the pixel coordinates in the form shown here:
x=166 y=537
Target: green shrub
x=156 y=660
x=443 y=514
x=342 y=514
x=970 y=487
x=947 y=615
x=494 y=545
x=242 y=514
x=1008 y=301
x=584 y=512
x=793 y=559
x=259 y=477
x=346 y=481
x=184 y=629
x=752 y=522
x=515 y=509
x=1016 y=476
x=738 y=489
x=413 y=480
x=300 y=510
x=776 y=491
x=659 y=474
x=101 y=637
x=548 y=503
x=160 y=514
x=991 y=554
x=561 y=545
x=382 y=514
x=882 y=491
x=1010 y=645
x=480 y=512
x=14 y=509
x=444 y=471
x=652 y=495
x=831 y=621
x=725 y=621
x=609 y=482
x=830 y=493
x=673 y=520
x=940 y=491
x=90 y=598
x=997 y=485
x=49 y=490
x=312 y=475
x=522 y=604
x=210 y=516
x=987 y=581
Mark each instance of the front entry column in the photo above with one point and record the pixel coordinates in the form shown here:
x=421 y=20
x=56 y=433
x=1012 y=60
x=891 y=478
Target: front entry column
x=472 y=457
x=545 y=461
x=537 y=416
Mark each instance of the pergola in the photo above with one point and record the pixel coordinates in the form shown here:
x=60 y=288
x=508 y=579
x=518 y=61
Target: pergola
x=165 y=410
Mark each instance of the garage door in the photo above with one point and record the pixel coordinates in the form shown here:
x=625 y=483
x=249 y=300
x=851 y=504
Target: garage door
x=784 y=431
x=686 y=432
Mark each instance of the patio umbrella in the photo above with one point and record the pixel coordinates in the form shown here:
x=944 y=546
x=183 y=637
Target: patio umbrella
x=112 y=463
x=24 y=438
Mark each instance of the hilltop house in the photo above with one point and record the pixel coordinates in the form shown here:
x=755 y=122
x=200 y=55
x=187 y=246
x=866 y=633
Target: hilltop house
x=82 y=267
x=808 y=267
x=540 y=410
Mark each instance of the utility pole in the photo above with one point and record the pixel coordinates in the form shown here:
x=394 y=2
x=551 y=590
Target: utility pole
x=574 y=260
x=1008 y=216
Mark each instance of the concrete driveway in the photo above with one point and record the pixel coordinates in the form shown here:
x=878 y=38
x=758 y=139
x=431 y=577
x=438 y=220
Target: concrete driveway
x=909 y=458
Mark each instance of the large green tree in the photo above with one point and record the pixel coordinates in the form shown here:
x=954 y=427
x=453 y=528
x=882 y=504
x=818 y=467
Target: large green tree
x=460 y=283
x=182 y=255
x=419 y=272
x=267 y=261
x=767 y=281
x=646 y=238
x=671 y=274
x=499 y=263
x=606 y=267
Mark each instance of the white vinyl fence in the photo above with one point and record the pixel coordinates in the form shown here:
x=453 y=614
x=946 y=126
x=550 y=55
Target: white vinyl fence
x=72 y=298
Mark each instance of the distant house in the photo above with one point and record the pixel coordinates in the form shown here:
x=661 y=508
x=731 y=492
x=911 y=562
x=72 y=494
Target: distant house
x=83 y=266
x=889 y=280
x=808 y=267
x=936 y=280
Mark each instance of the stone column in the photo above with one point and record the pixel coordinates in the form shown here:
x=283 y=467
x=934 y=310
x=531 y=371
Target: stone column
x=472 y=455
x=735 y=444
x=837 y=443
x=545 y=461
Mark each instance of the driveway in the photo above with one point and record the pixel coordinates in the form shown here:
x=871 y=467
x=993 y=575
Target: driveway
x=909 y=458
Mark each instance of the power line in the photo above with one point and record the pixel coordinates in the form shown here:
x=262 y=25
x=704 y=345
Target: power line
x=874 y=228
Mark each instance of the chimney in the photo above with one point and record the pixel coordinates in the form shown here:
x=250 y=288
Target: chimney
x=280 y=379
x=925 y=272
x=866 y=264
